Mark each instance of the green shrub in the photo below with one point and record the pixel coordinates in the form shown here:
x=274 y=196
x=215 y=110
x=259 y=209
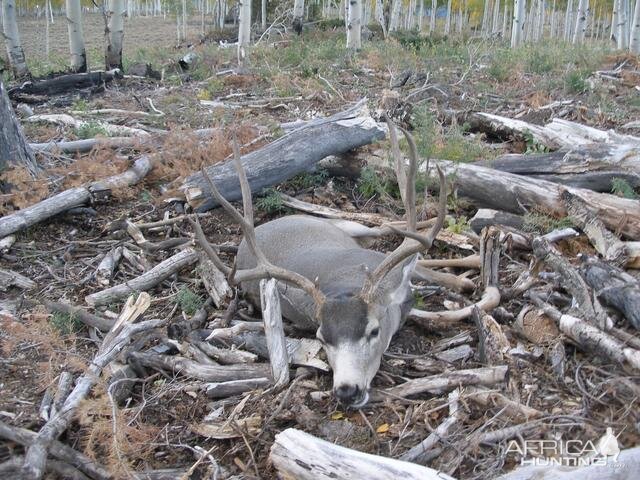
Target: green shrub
x=575 y=82
x=91 y=129
x=189 y=301
x=622 y=188
x=65 y=323
x=539 y=222
x=270 y=202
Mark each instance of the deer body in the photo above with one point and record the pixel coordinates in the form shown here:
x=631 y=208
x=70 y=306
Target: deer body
x=354 y=298
x=354 y=333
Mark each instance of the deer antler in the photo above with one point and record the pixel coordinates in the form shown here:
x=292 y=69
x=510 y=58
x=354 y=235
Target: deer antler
x=264 y=268
x=407 y=249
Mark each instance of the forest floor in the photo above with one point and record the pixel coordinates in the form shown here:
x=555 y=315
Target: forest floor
x=288 y=78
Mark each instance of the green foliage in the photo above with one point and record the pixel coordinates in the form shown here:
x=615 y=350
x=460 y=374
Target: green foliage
x=533 y=145
x=80 y=105
x=540 y=61
x=458 y=225
x=536 y=221
x=65 y=323
x=330 y=24
x=91 y=129
x=189 y=301
x=213 y=87
x=414 y=40
x=370 y=183
x=270 y=202
x=622 y=188
x=576 y=81
x=309 y=179
x=450 y=143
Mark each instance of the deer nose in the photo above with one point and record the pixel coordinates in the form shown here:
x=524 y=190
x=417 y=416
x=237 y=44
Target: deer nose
x=347 y=394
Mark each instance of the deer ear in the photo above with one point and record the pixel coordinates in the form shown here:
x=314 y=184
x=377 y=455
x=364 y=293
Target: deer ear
x=398 y=295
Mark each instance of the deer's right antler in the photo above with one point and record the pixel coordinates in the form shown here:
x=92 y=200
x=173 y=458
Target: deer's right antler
x=406 y=179
x=264 y=268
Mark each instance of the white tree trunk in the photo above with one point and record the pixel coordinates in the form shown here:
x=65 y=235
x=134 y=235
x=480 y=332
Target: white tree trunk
x=568 y=21
x=47 y=43
x=298 y=15
x=184 y=19
x=447 y=22
x=623 y=39
x=12 y=39
x=380 y=17
x=354 y=26
x=634 y=44
x=263 y=14
x=394 y=21
x=496 y=17
x=432 y=20
x=244 y=31
x=505 y=21
x=76 y=37
x=581 y=21
x=114 y=34
x=485 y=18
x=517 y=31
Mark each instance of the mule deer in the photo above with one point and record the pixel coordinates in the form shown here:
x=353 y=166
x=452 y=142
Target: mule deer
x=356 y=299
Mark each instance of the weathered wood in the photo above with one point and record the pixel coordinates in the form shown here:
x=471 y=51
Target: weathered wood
x=85 y=317
x=146 y=281
x=437 y=384
x=206 y=373
x=274 y=331
x=65 y=83
x=214 y=281
x=591 y=338
x=491 y=398
x=114 y=342
x=486 y=217
x=416 y=454
x=585 y=304
x=68 y=121
x=591 y=166
x=604 y=241
x=298 y=455
x=614 y=287
x=58 y=450
x=516 y=194
x=73 y=197
x=236 y=387
x=107 y=266
x=295 y=152
x=14 y=150
x=557 y=134
x=9 y=278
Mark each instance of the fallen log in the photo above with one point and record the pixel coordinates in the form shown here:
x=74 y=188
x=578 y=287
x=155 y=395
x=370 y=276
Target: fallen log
x=295 y=152
x=592 y=166
x=65 y=83
x=614 y=287
x=296 y=454
x=145 y=281
x=68 y=121
x=9 y=278
x=557 y=134
x=517 y=194
x=74 y=197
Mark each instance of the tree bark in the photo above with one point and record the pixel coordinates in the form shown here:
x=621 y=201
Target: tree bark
x=65 y=83
x=14 y=150
x=114 y=34
x=581 y=21
x=298 y=14
x=12 y=40
x=244 y=30
x=517 y=31
x=76 y=37
x=354 y=25
x=634 y=43
x=295 y=152
x=517 y=194
x=592 y=166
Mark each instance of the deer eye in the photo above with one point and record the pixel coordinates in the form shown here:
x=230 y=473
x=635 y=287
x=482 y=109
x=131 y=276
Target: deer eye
x=374 y=333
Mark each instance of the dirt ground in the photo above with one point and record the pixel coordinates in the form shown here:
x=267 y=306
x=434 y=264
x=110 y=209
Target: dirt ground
x=157 y=427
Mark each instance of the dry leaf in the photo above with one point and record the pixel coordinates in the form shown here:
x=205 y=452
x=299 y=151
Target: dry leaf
x=384 y=428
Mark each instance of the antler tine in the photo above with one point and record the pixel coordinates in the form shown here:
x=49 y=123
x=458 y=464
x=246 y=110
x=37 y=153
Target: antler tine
x=264 y=268
x=424 y=242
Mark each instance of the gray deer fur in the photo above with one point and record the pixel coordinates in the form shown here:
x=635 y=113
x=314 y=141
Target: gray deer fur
x=319 y=250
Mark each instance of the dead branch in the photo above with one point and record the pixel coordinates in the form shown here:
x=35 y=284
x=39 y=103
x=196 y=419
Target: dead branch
x=274 y=332
x=114 y=342
x=146 y=281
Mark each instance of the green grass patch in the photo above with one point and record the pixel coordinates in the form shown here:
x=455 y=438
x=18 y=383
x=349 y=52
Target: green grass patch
x=189 y=301
x=65 y=323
